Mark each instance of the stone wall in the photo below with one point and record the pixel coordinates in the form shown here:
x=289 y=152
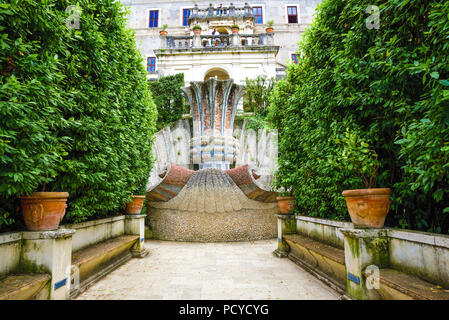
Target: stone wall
x=324 y=230
x=95 y=231
x=423 y=254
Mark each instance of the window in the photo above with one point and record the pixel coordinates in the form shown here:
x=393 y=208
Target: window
x=294 y=58
x=258 y=17
x=292 y=14
x=151 y=64
x=154 y=19
x=185 y=17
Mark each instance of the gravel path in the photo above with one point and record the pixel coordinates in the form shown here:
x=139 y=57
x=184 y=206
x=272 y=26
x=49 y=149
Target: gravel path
x=188 y=270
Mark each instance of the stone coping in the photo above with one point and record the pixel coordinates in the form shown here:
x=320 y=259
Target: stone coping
x=30 y=235
x=93 y=222
x=10 y=237
x=231 y=49
x=329 y=222
x=135 y=216
x=439 y=240
x=53 y=234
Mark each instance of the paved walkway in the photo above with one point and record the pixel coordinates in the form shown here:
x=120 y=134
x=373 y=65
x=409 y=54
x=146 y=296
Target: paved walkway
x=233 y=270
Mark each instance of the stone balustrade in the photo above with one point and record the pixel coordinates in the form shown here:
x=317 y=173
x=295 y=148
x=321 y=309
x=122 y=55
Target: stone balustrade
x=223 y=11
x=217 y=41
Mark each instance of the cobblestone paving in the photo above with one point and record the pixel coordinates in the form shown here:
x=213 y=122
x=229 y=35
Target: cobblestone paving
x=232 y=270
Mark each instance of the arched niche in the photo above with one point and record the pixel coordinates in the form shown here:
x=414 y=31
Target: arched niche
x=217 y=72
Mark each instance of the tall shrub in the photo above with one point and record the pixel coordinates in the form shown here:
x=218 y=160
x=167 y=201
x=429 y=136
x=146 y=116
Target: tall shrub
x=76 y=114
x=391 y=86
x=168 y=98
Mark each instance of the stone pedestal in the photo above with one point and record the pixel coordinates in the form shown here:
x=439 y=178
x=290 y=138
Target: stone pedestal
x=197 y=41
x=164 y=43
x=235 y=40
x=49 y=252
x=366 y=252
x=286 y=225
x=135 y=225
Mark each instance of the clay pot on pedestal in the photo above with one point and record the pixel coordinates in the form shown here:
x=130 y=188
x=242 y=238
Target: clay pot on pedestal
x=269 y=30
x=135 y=205
x=43 y=211
x=286 y=204
x=235 y=30
x=163 y=32
x=368 y=207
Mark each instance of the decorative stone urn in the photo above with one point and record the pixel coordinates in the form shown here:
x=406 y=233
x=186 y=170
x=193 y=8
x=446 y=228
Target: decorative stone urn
x=43 y=211
x=213 y=105
x=368 y=208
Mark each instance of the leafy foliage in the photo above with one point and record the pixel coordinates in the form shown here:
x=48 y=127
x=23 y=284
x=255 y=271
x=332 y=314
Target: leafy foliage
x=390 y=85
x=355 y=156
x=76 y=114
x=168 y=98
x=257 y=93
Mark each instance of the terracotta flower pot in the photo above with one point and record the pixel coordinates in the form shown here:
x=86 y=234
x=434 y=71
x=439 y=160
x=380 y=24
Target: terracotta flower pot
x=235 y=30
x=286 y=204
x=368 y=207
x=135 y=206
x=197 y=31
x=163 y=32
x=43 y=211
x=269 y=30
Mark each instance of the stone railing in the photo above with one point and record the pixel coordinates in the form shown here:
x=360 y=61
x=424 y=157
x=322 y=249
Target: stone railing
x=217 y=41
x=211 y=11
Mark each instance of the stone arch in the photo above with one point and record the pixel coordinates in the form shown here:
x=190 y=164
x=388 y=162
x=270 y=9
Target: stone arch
x=220 y=73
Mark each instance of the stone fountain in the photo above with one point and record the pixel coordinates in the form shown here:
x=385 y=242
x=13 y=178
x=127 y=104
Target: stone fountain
x=215 y=203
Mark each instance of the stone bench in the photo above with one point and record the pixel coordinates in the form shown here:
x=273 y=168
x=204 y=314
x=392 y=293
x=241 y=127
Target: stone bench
x=325 y=261
x=97 y=260
x=396 y=285
x=25 y=286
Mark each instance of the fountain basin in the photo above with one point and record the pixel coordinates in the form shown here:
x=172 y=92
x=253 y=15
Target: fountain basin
x=211 y=207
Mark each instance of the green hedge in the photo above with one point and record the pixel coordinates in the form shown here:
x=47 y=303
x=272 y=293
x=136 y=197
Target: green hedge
x=76 y=114
x=168 y=98
x=390 y=87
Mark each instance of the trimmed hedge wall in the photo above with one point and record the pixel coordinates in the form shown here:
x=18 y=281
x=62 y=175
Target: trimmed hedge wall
x=76 y=114
x=388 y=86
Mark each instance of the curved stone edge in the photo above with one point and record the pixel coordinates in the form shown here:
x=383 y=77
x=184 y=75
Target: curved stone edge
x=245 y=178
x=172 y=179
x=242 y=225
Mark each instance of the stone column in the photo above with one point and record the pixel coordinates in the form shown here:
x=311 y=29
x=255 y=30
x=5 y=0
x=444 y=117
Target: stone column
x=235 y=40
x=366 y=252
x=270 y=39
x=197 y=41
x=135 y=225
x=164 y=44
x=286 y=225
x=49 y=252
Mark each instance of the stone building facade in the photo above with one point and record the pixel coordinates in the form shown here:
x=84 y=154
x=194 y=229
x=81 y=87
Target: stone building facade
x=219 y=53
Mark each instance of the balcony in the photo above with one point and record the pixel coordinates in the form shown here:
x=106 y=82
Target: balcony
x=218 y=42
x=221 y=12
